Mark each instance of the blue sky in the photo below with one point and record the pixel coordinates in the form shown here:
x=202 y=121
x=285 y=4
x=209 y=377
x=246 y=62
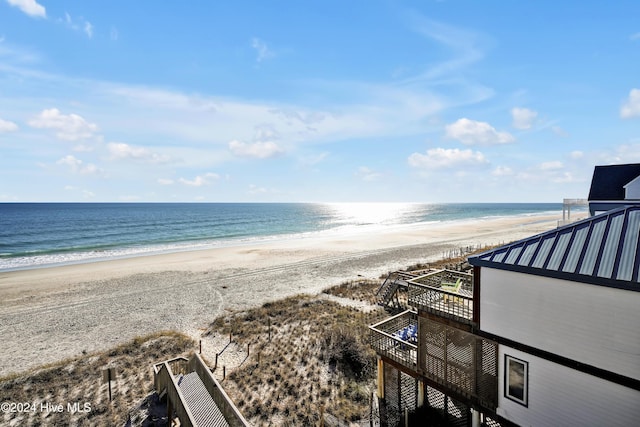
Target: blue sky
x=328 y=101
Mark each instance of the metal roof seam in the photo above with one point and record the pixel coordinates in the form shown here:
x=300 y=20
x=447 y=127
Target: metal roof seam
x=602 y=249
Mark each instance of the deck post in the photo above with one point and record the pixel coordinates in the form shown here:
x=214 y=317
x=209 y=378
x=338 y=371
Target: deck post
x=420 y=393
x=475 y=418
x=380 y=378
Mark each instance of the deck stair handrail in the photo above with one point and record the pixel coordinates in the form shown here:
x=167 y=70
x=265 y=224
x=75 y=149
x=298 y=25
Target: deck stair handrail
x=178 y=364
x=399 y=275
x=165 y=381
x=395 y=280
x=169 y=381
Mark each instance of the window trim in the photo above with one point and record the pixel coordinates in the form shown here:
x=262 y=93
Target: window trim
x=525 y=401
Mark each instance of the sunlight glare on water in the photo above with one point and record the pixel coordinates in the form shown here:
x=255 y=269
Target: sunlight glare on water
x=372 y=213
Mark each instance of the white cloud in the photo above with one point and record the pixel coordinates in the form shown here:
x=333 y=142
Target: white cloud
x=78 y=166
x=30 y=7
x=113 y=34
x=88 y=29
x=378 y=110
x=80 y=24
x=631 y=107
x=71 y=127
x=472 y=132
x=564 y=178
x=260 y=150
x=439 y=158
x=7 y=126
x=366 y=174
x=635 y=36
x=312 y=160
x=625 y=153
x=200 y=180
x=467 y=47
x=523 y=117
x=559 y=131
x=254 y=189
x=80 y=148
x=502 y=171
x=576 y=154
x=554 y=165
x=165 y=181
x=262 y=49
x=120 y=150
x=550 y=172
x=257 y=190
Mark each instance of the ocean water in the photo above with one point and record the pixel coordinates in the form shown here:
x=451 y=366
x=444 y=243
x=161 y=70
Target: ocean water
x=42 y=234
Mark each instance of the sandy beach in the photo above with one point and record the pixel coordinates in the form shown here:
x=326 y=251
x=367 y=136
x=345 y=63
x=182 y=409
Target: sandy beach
x=49 y=314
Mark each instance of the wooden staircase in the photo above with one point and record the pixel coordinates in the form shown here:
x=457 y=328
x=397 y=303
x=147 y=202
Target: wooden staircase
x=394 y=283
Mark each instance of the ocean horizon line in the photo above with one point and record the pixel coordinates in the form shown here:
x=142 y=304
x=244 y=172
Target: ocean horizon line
x=196 y=202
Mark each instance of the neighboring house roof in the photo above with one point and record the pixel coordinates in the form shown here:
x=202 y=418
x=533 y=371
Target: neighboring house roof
x=608 y=181
x=601 y=250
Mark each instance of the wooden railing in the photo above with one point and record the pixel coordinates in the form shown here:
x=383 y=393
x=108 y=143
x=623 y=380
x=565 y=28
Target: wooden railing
x=460 y=361
x=426 y=293
x=231 y=413
x=385 y=338
x=436 y=278
x=165 y=379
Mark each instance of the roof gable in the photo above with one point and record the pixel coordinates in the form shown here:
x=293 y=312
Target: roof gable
x=632 y=189
x=608 y=182
x=601 y=250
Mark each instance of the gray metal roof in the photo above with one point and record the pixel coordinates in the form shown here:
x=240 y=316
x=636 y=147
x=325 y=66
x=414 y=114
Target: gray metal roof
x=601 y=250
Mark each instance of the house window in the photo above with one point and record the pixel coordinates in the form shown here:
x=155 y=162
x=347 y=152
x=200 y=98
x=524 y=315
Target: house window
x=516 y=376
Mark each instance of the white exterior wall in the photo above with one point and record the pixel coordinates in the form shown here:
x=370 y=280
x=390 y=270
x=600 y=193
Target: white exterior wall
x=596 y=325
x=632 y=190
x=561 y=396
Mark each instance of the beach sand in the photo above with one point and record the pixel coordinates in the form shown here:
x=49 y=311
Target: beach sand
x=49 y=314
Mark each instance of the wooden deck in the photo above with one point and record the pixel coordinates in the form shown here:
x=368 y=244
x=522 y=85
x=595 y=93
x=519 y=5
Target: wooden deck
x=456 y=359
x=388 y=338
x=431 y=293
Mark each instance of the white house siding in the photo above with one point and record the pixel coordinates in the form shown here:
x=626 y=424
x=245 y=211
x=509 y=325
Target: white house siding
x=560 y=396
x=596 y=325
x=632 y=190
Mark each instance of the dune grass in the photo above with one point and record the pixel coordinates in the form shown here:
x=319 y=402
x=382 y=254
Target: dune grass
x=79 y=381
x=310 y=360
x=318 y=362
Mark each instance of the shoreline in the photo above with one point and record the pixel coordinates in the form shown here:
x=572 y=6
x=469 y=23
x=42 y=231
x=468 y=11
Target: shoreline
x=48 y=314
x=122 y=253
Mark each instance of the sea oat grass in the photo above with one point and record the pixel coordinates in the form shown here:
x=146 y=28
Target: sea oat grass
x=79 y=380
